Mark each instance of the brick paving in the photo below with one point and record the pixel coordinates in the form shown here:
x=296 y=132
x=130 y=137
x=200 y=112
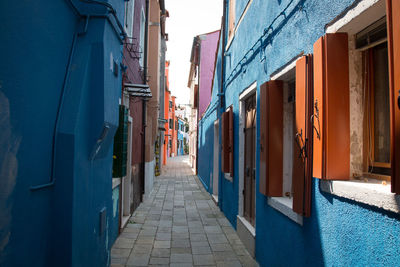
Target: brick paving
x=179 y=225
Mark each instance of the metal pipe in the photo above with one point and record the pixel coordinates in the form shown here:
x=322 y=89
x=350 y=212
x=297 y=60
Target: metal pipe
x=146 y=38
x=66 y=77
x=222 y=102
x=222 y=93
x=76 y=10
x=58 y=115
x=146 y=33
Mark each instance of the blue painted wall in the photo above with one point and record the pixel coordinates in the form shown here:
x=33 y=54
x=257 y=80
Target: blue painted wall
x=340 y=232
x=58 y=225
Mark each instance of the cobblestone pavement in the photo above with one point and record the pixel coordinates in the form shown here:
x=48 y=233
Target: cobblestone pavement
x=179 y=225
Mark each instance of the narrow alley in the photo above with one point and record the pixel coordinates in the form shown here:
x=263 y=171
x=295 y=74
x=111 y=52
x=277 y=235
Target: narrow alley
x=200 y=133
x=179 y=225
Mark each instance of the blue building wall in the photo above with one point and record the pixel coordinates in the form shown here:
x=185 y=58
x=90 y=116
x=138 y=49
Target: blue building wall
x=58 y=225
x=340 y=232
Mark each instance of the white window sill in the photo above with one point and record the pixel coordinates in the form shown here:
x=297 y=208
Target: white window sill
x=248 y=226
x=372 y=193
x=285 y=206
x=228 y=177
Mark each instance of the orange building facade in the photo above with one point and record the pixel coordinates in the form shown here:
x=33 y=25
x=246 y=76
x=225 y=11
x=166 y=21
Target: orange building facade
x=170 y=148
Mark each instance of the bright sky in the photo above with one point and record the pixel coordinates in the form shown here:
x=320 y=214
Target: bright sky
x=187 y=18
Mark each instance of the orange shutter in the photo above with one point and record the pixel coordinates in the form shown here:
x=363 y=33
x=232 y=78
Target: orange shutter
x=230 y=117
x=393 y=24
x=331 y=152
x=302 y=154
x=271 y=154
x=263 y=139
x=225 y=142
x=196 y=96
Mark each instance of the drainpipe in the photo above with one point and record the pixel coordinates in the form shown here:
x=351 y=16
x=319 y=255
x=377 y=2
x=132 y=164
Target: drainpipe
x=221 y=94
x=198 y=105
x=222 y=102
x=144 y=109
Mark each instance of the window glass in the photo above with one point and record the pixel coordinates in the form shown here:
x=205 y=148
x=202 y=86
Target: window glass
x=381 y=105
x=129 y=15
x=142 y=30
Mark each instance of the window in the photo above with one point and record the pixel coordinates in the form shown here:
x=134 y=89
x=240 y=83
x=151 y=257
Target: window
x=170 y=105
x=176 y=125
x=231 y=18
x=233 y=23
x=129 y=16
x=170 y=123
x=374 y=110
x=142 y=31
x=195 y=96
x=285 y=165
x=227 y=142
x=377 y=100
x=170 y=143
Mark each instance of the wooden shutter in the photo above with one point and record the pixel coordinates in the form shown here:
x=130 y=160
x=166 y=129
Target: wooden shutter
x=196 y=97
x=231 y=147
x=225 y=142
x=302 y=151
x=271 y=139
x=120 y=152
x=393 y=24
x=331 y=148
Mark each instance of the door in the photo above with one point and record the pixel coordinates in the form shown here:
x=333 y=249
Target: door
x=249 y=155
x=127 y=184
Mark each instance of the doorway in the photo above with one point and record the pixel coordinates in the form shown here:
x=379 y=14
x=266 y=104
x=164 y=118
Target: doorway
x=127 y=190
x=249 y=159
x=246 y=219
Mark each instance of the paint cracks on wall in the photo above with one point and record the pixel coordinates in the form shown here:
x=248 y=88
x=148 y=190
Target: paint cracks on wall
x=356 y=109
x=9 y=145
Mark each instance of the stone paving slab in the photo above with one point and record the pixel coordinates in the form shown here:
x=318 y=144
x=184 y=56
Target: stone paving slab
x=179 y=225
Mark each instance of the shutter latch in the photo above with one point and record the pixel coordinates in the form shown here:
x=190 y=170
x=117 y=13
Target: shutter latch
x=301 y=144
x=316 y=115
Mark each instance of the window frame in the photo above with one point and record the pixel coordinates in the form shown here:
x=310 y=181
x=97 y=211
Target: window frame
x=231 y=21
x=285 y=202
x=369 y=136
x=128 y=23
x=142 y=35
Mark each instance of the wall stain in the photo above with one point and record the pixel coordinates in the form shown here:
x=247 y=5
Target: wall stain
x=9 y=145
